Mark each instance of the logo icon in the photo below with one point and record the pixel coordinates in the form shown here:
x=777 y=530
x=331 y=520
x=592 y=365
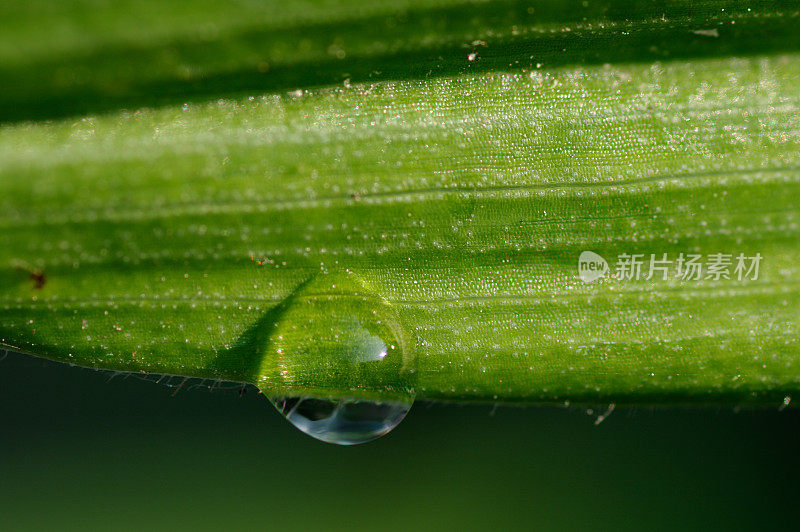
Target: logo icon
x=591 y=267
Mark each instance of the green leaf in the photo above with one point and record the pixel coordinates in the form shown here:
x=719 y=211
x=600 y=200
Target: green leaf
x=427 y=174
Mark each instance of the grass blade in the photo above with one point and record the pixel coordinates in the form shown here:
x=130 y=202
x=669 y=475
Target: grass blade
x=459 y=188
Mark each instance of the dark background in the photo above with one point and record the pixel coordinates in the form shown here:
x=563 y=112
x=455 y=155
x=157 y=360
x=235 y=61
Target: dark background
x=82 y=448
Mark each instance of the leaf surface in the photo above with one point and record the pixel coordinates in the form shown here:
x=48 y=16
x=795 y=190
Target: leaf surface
x=442 y=164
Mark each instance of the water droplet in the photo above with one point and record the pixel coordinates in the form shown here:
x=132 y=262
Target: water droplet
x=338 y=364
x=342 y=421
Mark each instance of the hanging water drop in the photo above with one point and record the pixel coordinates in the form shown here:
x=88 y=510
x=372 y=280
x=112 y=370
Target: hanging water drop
x=338 y=364
x=342 y=421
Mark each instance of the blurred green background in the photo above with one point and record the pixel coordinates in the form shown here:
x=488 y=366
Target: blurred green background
x=89 y=449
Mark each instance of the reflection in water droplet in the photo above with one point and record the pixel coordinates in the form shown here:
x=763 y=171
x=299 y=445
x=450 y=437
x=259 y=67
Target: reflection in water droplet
x=336 y=336
x=342 y=421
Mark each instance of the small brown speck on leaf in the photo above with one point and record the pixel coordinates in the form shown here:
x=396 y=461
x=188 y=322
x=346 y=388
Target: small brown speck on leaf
x=38 y=278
